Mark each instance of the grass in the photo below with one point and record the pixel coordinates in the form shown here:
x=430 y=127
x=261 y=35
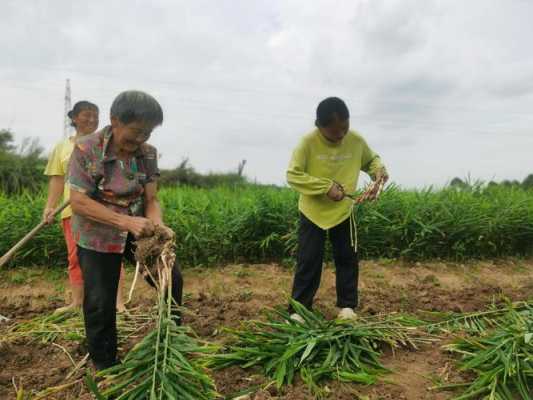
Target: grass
x=26 y=276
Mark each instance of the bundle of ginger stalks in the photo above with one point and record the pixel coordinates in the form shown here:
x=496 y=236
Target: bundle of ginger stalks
x=166 y=364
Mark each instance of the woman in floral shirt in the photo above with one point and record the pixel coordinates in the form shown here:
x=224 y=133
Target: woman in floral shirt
x=112 y=177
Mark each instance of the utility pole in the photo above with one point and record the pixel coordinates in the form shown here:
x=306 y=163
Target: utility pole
x=68 y=106
x=240 y=168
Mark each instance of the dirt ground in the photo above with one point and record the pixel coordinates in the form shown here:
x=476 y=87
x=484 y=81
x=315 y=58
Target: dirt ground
x=226 y=296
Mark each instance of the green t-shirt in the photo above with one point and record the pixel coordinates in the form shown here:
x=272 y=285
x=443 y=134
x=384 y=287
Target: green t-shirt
x=316 y=163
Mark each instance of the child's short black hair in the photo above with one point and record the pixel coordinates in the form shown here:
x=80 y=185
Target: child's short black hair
x=329 y=109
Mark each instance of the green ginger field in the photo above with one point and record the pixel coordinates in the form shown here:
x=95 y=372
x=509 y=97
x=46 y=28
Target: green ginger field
x=448 y=269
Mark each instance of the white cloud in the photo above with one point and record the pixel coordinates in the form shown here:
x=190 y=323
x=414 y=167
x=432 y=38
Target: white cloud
x=439 y=88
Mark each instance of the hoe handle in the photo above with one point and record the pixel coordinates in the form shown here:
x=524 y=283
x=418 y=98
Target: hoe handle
x=6 y=257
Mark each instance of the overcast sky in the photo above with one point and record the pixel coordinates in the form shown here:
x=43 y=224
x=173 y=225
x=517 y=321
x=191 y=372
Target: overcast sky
x=438 y=88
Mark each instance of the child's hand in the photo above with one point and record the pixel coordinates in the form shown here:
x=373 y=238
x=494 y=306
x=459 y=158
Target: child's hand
x=336 y=192
x=375 y=188
x=382 y=175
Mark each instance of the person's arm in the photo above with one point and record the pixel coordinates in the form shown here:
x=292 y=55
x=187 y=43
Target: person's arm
x=306 y=184
x=152 y=208
x=371 y=164
x=83 y=205
x=82 y=185
x=56 y=173
x=56 y=185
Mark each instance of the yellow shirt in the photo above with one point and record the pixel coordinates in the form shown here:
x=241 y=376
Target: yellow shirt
x=316 y=163
x=58 y=166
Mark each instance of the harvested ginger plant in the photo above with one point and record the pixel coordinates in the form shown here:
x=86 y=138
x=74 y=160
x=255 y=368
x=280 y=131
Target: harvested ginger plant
x=156 y=256
x=317 y=350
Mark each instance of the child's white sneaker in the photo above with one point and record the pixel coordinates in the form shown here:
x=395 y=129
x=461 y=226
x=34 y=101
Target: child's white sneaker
x=297 y=318
x=347 y=314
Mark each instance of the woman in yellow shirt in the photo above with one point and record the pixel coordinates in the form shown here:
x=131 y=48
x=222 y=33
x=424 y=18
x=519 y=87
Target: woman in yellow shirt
x=324 y=167
x=84 y=117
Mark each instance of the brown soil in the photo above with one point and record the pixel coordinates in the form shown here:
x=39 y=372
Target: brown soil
x=224 y=297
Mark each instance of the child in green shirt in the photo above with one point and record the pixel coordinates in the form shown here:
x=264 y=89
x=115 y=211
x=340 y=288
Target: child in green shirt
x=324 y=167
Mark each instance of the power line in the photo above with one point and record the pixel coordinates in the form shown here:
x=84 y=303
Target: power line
x=274 y=91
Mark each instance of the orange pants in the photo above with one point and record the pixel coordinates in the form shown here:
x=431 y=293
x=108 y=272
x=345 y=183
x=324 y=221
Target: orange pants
x=74 y=271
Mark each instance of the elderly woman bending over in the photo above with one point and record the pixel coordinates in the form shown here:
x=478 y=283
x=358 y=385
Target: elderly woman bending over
x=112 y=177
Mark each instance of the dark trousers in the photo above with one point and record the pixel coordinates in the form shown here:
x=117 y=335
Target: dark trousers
x=101 y=273
x=311 y=241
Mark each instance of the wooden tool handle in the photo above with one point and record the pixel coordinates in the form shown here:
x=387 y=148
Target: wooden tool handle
x=6 y=257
